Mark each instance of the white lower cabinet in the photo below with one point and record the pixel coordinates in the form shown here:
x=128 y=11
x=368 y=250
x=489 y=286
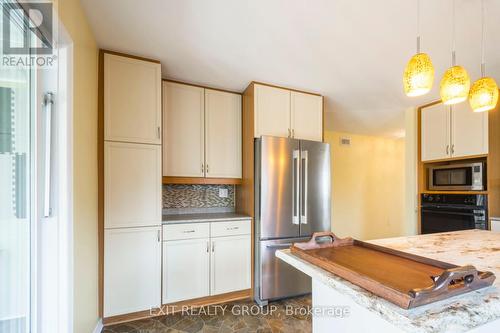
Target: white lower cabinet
x=230 y=264
x=195 y=265
x=132 y=278
x=186 y=267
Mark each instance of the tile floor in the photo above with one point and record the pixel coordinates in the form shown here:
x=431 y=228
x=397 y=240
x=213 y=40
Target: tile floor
x=284 y=316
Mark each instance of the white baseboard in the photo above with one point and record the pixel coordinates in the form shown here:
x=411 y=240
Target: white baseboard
x=98 y=327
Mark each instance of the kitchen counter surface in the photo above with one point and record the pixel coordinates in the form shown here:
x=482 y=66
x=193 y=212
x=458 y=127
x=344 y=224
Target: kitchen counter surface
x=457 y=314
x=203 y=217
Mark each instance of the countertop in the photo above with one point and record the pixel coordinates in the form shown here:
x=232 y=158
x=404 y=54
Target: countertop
x=457 y=314
x=202 y=217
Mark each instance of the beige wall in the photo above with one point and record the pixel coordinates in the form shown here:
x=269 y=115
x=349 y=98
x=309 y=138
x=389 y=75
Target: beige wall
x=85 y=60
x=368 y=186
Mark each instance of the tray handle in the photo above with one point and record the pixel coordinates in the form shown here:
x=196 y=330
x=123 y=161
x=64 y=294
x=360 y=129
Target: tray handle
x=314 y=244
x=453 y=278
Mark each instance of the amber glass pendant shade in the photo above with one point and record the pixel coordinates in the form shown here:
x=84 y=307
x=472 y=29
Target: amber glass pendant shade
x=455 y=85
x=418 y=76
x=483 y=95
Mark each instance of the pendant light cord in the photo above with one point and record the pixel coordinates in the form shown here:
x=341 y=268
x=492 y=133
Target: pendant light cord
x=418 y=26
x=483 y=70
x=453 y=57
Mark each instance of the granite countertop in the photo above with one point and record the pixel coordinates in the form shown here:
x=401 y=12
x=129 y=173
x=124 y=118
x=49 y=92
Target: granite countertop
x=457 y=314
x=202 y=217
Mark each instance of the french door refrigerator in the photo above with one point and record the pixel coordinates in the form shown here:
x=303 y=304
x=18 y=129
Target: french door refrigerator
x=292 y=201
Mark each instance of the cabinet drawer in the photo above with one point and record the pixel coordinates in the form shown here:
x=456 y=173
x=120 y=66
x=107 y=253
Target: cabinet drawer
x=186 y=231
x=231 y=228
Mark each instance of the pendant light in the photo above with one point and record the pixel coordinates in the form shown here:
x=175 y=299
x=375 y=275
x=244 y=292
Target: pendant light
x=455 y=83
x=483 y=95
x=419 y=72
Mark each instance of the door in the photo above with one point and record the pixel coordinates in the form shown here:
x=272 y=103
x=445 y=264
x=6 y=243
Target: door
x=440 y=220
x=132 y=274
x=132 y=184
x=230 y=264
x=184 y=137
x=435 y=129
x=469 y=131
x=36 y=229
x=278 y=161
x=277 y=278
x=132 y=100
x=306 y=116
x=272 y=111
x=315 y=187
x=222 y=134
x=186 y=269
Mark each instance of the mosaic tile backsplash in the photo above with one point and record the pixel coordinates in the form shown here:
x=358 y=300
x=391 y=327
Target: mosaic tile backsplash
x=192 y=198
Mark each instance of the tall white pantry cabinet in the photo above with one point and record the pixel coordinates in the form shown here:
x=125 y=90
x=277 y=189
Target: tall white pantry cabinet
x=132 y=184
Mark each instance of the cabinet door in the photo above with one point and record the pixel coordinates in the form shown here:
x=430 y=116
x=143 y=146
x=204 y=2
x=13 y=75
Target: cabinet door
x=132 y=100
x=435 y=136
x=132 y=270
x=132 y=185
x=469 y=131
x=185 y=269
x=272 y=111
x=183 y=123
x=230 y=264
x=307 y=116
x=222 y=134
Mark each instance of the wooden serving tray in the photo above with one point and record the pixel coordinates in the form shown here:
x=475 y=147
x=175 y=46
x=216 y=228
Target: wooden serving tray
x=404 y=279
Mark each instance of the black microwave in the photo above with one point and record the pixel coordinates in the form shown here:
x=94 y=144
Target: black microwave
x=458 y=177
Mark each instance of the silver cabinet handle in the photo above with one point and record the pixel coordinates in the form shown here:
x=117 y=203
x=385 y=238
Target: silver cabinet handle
x=293 y=133
x=452 y=149
x=213 y=246
x=304 y=170
x=202 y=168
x=447 y=149
x=48 y=103
x=158 y=132
x=289 y=133
x=295 y=186
x=158 y=235
x=207 y=168
x=232 y=228
x=188 y=231
x=208 y=246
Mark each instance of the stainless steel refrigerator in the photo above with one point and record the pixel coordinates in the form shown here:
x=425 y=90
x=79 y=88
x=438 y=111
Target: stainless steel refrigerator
x=292 y=200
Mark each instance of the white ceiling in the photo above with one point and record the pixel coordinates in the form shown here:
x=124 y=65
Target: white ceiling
x=351 y=51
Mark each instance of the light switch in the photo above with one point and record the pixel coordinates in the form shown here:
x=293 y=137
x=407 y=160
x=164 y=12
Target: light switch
x=223 y=193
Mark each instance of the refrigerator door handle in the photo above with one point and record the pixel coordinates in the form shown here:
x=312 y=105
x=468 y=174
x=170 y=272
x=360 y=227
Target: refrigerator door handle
x=279 y=246
x=296 y=181
x=304 y=173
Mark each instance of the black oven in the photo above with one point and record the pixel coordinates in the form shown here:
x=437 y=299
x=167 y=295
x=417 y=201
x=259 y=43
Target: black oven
x=451 y=212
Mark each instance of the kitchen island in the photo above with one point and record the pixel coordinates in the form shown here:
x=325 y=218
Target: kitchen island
x=344 y=307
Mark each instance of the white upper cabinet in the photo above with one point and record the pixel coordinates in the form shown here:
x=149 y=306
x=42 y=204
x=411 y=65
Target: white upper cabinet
x=272 y=111
x=469 y=131
x=132 y=100
x=453 y=132
x=202 y=132
x=183 y=123
x=435 y=138
x=222 y=134
x=132 y=184
x=307 y=116
x=132 y=275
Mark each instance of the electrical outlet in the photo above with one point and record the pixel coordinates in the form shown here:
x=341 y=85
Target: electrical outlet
x=223 y=193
